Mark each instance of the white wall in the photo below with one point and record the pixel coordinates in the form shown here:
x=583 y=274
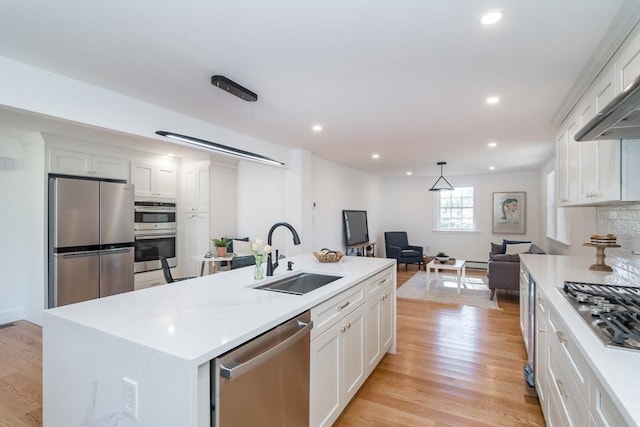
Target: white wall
x=334 y=188
x=409 y=206
x=13 y=225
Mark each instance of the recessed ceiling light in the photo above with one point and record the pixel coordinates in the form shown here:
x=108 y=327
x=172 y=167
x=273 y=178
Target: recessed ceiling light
x=317 y=128
x=409 y=172
x=375 y=156
x=170 y=154
x=493 y=100
x=492 y=17
x=492 y=144
x=491 y=168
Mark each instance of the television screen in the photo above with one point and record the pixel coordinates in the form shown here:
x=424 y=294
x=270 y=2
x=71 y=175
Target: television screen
x=356 y=229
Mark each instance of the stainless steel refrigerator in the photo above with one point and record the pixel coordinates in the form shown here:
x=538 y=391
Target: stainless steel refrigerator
x=91 y=252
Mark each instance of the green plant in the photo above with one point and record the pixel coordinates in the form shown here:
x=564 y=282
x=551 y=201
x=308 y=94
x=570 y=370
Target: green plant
x=441 y=254
x=222 y=242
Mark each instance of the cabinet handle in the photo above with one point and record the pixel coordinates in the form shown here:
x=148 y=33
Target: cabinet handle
x=561 y=337
x=348 y=325
x=382 y=281
x=342 y=329
x=542 y=331
x=561 y=389
x=341 y=306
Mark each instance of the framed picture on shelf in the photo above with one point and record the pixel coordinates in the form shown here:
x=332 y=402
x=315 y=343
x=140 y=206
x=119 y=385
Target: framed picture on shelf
x=509 y=212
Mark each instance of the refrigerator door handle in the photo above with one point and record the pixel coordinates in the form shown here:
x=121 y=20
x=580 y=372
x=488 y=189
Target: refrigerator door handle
x=115 y=251
x=79 y=254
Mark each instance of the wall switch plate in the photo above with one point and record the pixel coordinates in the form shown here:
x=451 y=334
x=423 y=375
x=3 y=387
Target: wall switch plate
x=130 y=397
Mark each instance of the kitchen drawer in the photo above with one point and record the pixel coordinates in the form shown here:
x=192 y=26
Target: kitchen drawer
x=604 y=412
x=577 y=367
x=377 y=282
x=566 y=392
x=327 y=313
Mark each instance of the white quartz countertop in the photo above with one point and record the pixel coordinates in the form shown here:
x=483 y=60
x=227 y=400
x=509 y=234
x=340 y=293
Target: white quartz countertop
x=199 y=319
x=617 y=369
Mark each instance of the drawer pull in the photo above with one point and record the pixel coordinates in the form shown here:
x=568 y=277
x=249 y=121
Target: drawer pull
x=382 y=281
x=561 y=337
x=343 y=305
x=542 y=331
x=342 y=329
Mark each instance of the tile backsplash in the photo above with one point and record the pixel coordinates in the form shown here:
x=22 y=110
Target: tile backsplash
x=624 y=222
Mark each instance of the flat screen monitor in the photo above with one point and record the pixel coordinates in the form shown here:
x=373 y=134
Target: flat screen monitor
x=356 y=229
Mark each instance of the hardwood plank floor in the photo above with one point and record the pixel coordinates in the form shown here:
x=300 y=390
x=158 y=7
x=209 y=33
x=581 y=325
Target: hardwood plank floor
x=455 y=366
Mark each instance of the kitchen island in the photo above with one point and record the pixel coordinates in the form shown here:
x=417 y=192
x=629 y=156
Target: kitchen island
x=161 y=339
x=579 y=380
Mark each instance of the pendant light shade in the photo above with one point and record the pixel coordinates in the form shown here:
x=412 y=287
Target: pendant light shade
x=441 y=183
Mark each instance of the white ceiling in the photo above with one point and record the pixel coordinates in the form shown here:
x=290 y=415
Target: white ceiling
x=406 y=79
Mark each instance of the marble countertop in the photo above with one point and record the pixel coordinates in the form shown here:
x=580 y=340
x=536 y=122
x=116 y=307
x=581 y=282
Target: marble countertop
x=617 y=369
x=198 y=319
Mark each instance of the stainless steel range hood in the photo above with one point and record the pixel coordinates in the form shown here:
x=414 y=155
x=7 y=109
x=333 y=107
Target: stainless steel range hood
x=619 y=119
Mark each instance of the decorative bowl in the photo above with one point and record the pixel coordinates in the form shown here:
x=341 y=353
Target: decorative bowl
x=443 y=259
x=326 y=255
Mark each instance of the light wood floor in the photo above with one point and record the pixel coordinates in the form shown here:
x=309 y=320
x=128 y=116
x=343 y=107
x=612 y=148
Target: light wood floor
x=455 y=366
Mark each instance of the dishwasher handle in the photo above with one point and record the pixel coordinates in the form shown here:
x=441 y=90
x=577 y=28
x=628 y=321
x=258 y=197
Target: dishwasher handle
x=237 y=370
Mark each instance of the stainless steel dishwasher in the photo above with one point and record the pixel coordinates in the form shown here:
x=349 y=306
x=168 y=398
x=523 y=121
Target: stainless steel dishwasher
x=264 y=382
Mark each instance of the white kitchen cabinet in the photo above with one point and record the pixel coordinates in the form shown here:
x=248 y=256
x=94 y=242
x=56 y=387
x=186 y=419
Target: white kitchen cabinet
x=195 y=181
x=70 y=162
x=155 y=179
x=627 y=66
x=352 y=332
x=541 y=350
x=337 y=367
x=197 y=240
x=604 y=412
x=379 y=325
x=562 y=168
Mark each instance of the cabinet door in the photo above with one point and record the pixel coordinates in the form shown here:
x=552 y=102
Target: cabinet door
x=562 y=168
x=542 y=384
x=69 y=162
x=325 y=393
x=627 y=67
x=573 y=159
x=353 y=353
x=196 y=240
x=196 y=187
x=379 y=326
x=110 y=167
x=167 y=181
x=143 y=176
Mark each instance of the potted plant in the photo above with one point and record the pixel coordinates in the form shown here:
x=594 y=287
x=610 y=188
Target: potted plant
x=221 y=245
x=442 y=257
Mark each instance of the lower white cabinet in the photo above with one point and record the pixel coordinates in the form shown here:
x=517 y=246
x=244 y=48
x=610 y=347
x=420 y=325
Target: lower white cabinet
x=337 y=368
x=379 y=325
x=569 y=391
x=352 y=332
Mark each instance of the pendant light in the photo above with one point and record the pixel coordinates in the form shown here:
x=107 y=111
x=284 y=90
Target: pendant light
x=441 y=183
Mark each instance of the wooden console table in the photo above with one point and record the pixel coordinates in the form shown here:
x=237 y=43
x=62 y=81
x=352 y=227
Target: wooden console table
x=361 y=249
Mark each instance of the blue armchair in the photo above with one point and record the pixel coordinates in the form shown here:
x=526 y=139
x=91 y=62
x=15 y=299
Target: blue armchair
x=397 y=246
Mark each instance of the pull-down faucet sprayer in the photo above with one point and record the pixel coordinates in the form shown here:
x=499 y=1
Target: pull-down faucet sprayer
x=296 y=241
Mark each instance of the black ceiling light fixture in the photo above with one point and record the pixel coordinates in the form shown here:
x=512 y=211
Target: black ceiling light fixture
x=225 y=149
x=441 y=183
x=234 y=88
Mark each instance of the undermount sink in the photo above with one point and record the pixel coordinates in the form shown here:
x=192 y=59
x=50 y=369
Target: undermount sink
x=299 y=284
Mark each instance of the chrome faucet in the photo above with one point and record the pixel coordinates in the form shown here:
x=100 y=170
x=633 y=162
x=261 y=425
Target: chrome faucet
x=296 y=241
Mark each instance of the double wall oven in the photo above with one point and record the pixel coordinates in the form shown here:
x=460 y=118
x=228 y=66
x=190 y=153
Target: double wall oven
x=155 y=234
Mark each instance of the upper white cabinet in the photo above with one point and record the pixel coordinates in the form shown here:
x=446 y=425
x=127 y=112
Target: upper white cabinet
x=155 y=179
x=195 y=181
x=71 y=162
x=627 y=66
x=593 y=172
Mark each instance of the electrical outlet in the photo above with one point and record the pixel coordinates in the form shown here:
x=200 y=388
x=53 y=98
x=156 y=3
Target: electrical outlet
x=130 y=397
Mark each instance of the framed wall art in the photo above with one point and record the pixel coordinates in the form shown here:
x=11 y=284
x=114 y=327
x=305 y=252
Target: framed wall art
x=509 y=212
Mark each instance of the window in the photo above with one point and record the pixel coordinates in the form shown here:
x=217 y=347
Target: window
x=455 y=209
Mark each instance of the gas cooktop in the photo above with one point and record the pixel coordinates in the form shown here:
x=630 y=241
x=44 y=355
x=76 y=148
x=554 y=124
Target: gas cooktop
x=613 y=312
